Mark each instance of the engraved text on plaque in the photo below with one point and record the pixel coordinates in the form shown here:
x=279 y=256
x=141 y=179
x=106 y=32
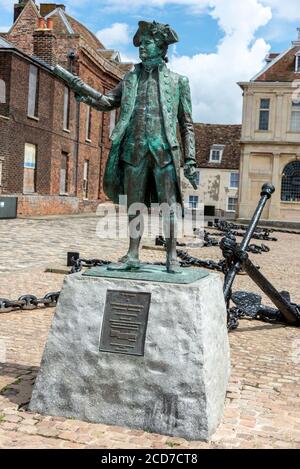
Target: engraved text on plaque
x=125 y=322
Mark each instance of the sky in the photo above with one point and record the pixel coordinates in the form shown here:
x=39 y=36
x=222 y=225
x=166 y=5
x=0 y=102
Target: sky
x=222 y=42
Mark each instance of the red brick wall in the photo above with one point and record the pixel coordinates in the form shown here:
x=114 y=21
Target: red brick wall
x=32 y=205
x=97 y=150
x=51 y=139
x=48 y=133
x=21 y=34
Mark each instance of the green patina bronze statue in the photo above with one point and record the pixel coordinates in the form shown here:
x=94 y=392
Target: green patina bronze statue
x=145 y=157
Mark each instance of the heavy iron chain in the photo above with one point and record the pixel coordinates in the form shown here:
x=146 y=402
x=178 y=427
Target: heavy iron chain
x=232 y=226
x=78 y=264
x=260 y=233
x=187 y=261
x=210 y=242
x=28 y=302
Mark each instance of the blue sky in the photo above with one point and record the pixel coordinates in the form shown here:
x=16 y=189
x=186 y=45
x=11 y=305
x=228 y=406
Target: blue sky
x=221 y=41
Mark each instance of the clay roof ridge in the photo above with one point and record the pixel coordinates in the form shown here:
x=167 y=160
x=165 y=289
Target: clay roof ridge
x=270 y=64
x=63 y=17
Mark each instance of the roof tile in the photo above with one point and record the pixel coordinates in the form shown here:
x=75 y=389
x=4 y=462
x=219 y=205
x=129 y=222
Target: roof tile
x=214 y=134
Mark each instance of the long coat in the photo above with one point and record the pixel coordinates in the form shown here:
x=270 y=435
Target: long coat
x=175 y=102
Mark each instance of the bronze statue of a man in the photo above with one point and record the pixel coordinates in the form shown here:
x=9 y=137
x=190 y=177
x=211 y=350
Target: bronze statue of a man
x=145 y=157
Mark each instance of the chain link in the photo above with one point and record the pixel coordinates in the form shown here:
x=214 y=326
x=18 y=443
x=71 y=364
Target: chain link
x=226 y=227
x=28 y=302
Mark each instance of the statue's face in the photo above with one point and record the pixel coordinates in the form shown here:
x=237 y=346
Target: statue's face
x=149 y=49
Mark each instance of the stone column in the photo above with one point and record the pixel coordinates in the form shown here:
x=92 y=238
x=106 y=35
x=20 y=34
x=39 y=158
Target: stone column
x=244 y=185
x=248 y=115
x=279 y=119
x=274 y=209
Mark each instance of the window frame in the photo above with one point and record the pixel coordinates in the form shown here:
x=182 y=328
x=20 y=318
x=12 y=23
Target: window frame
x=88 y=124
x=294 y=112
x=66 y=116
x=236 y=206
x=265 y=110
x=290 y=171
x=65 y=155
x=35 y=89
x=216 y=148
x=234 y=173
x=33 y=168
x=196 y=197
x=2 y=91
x=85 y=179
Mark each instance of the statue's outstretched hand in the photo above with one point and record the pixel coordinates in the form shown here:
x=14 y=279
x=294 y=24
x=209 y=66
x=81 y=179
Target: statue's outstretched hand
x=78 y=83
x=190 y=173
x=80 y=98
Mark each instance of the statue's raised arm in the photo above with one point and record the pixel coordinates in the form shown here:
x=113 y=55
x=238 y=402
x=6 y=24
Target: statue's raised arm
x=89 y=95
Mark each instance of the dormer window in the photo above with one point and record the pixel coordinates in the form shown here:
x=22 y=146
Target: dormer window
x=297 y=62
x=216 y=153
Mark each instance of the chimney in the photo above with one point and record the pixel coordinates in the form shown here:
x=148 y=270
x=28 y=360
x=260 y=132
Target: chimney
x=44 y=41
x=18 y=7
x=297 y=42
x=46 y=8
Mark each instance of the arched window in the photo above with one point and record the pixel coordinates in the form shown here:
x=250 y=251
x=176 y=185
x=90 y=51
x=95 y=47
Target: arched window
x=290 y=184
x=2 y=92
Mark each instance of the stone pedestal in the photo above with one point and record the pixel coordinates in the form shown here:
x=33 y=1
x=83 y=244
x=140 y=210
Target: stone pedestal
x=177 y=387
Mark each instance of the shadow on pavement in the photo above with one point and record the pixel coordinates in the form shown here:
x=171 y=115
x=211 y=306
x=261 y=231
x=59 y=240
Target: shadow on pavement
x=16 y=382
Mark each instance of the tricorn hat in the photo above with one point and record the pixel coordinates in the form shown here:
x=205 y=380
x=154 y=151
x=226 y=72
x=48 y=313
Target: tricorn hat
x=161 y=32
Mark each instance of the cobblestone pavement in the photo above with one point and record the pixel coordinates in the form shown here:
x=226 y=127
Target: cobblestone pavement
x=262 y=407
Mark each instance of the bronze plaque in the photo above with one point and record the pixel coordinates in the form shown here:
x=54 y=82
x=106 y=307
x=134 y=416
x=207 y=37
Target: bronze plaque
x=125 y=322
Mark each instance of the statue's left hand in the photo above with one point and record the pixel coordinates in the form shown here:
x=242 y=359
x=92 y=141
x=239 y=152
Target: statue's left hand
x=190 y=173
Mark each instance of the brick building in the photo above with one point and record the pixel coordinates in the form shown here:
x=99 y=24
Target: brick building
x=53 y=149
x=218 y=161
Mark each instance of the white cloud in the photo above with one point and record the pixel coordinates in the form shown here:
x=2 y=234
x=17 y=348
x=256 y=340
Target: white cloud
x=216 y=96
x=285 y=10
x=4 y=29
x=129 y=58
x=116 y=35
x=213 y=77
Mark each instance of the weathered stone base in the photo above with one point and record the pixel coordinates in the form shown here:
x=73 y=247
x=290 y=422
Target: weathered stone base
x=177 y=388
